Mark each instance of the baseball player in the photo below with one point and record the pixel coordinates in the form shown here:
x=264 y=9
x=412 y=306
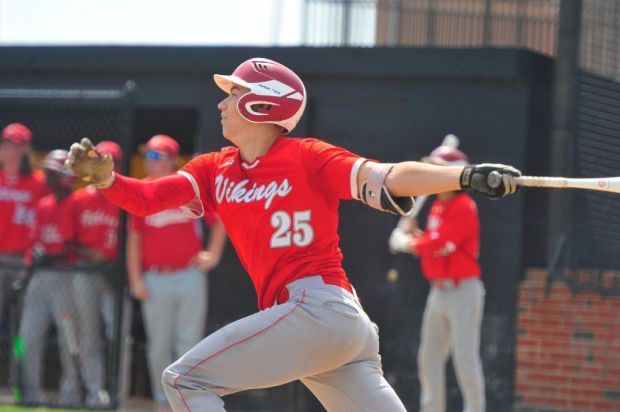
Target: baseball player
x=97 y=221
x=48 y=292
x=20 y=189
x=278 y=198
x=448 y=251
x=166 y=267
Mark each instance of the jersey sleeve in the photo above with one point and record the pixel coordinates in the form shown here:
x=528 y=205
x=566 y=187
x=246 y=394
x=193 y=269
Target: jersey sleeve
x=332 y=168
x=199 y=172
x=456 y=227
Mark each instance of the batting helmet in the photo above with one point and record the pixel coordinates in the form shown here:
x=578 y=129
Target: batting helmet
x=277 y=95
x=17 y=133
x=163 y=144
x=448 y=153
x=111 y=148
x=55 y=162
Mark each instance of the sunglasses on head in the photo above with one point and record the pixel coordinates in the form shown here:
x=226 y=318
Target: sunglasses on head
x=155 y=155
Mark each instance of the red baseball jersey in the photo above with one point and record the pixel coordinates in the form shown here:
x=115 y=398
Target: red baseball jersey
x=97 y=222
x=54 y=225
x=281 y=211
x=169 y=239
x=18 y=198
x=450 y=245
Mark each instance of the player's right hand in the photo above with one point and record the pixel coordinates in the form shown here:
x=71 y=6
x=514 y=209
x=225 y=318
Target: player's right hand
x=89 y=166
x=139 y=290
x=493 y=180
x=400 y=241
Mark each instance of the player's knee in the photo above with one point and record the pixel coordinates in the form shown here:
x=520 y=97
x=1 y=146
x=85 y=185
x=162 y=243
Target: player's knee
x=170 y=378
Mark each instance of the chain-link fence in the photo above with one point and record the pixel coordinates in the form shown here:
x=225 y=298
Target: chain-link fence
x=61 y=327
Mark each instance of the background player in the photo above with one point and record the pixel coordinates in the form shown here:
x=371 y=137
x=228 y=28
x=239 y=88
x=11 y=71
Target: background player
x=48 y=295
x=448 y=251
x=97 y=221
x=278 y=198
x=20 y=189
x=167 y=267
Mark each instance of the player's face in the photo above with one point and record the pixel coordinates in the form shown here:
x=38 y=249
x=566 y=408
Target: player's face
x=232 y=122
x=11 y=150
x=159 y=164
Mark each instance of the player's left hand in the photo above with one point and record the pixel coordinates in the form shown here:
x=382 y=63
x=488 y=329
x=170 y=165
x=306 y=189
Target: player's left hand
x=493 y=180
x=400 y=241
x=90 y=166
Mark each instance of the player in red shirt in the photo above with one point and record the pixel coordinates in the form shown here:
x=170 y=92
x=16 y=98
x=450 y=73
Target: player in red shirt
x=166 y=264
x=20 y=189
x=48 y=297
x=278 y=198
x=97 y=224
x=448 y=251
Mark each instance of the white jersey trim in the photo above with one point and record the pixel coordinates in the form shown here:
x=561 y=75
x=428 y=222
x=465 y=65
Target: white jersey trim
x=195 y=208
x=354 y=171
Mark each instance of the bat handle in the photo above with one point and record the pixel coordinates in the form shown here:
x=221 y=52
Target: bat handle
x=494 y=179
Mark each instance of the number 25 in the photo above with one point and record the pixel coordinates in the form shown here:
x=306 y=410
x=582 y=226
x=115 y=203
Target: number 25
x=301 y=234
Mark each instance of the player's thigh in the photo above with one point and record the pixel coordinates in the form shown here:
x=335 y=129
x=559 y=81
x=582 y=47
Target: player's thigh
x=357 y=386
x=270 y=348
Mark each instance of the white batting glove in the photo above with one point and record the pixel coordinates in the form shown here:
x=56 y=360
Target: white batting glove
x=400 y=241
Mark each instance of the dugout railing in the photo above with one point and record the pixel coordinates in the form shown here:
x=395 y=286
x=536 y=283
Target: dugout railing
x=58 y=116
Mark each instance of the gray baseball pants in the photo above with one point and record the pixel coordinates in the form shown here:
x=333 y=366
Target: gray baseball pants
x=48 y=299
x=94 y=300
x=451 y=326
x=175 y=317
x=321 y=336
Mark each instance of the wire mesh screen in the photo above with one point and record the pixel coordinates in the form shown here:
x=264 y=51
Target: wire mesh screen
x=60 y=327
x=596 y=215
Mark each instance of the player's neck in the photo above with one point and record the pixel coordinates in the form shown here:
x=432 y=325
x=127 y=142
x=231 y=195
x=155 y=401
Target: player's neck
x=257 y=145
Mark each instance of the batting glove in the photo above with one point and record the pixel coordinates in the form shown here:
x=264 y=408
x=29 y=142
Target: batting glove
x=90 y=166
x=400 y=241
x=493 y=180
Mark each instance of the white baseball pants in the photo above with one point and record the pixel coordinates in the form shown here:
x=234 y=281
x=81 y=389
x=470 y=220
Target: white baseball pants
x=321 y=336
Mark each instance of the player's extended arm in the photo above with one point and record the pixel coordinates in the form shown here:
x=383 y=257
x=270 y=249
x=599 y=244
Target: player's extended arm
x=138 y=197
x=388 y=184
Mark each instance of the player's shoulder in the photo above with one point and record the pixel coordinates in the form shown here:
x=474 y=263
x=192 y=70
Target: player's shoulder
x=464 y=200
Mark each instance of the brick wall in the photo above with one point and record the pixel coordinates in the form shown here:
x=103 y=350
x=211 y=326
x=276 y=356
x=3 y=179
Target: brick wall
x=568 y=346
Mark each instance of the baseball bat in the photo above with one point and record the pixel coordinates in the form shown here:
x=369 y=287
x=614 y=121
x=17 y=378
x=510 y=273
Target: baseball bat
x=603 y=184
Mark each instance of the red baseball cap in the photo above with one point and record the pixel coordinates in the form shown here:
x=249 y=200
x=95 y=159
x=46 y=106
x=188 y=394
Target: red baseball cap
x=17 y=133
x=111 y=148
x=163 y=144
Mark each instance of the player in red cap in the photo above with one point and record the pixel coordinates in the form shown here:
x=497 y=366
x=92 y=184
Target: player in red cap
x=96 y=223
x=20 y=189
x=166 y=264
x=278 y=197
x=448 y=251
x=48 y=296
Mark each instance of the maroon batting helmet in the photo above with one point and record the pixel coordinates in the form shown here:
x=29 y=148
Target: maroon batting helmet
x=448 y=153
x=277 y=95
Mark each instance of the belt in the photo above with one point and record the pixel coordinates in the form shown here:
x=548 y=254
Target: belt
x=164 y=270
x=327 y=279
x=446 y=283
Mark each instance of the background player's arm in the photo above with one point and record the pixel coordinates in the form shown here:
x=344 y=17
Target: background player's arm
x=211 y=256
x=137 y=287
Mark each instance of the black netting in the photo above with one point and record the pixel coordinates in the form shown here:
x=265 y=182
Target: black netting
x=596 y=215
x=65 y=324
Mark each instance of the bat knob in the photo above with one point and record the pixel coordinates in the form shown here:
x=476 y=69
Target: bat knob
x=494 y=179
